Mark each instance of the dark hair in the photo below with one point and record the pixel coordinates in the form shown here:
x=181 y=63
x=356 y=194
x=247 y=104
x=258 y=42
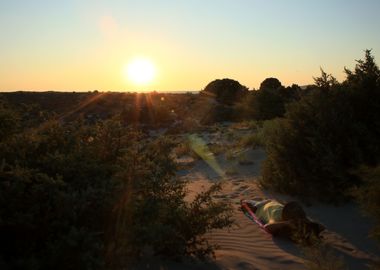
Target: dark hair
x=315 y=227
x=308 y=231
x=293 y=210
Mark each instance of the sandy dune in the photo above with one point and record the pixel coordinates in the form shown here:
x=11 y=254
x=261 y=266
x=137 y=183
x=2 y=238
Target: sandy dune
x=246 y=246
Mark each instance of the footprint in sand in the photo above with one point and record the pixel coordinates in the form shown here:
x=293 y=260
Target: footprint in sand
x=234 y=195
x=242 y=188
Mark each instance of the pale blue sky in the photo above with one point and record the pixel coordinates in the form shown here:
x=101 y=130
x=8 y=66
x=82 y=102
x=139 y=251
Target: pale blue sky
x=83 y=45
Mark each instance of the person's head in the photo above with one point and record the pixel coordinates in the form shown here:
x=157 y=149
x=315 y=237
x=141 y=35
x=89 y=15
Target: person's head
x=293 y=211
x=306 y=229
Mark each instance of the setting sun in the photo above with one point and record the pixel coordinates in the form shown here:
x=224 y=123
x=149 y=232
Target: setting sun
x=140 y=71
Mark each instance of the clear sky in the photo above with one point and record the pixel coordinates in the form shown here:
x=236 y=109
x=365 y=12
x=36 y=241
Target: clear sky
x=81 y=45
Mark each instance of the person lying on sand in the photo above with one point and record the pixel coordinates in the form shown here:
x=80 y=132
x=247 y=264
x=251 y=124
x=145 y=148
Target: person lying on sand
x=287 y=219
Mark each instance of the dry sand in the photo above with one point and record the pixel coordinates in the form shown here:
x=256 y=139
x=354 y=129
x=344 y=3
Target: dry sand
x=245 y=245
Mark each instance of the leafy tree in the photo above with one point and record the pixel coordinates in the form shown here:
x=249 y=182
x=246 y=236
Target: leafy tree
x=366 y=74
x=325 y=81
x=270 y=84
x=291 y=93
x=225 y=91
x=269 y=101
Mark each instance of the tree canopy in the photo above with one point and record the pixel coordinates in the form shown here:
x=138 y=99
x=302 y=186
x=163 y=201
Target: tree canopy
x=225 y=91
x=270 y=84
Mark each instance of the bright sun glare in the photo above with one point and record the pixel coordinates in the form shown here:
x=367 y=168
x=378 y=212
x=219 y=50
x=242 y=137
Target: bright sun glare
x=140 y=71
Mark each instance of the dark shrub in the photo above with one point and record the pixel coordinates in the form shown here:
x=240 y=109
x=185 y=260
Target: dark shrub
x=152 y=211
x=77 y=196
x=269 y=101
x=270 y=84
x=226 y=91
x=329 y=132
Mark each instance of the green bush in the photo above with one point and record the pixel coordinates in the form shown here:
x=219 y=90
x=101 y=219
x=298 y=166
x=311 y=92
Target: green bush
x=323 y=137
x=152 y=212
x=77 y=196
x=56 y=195
x=309 y=152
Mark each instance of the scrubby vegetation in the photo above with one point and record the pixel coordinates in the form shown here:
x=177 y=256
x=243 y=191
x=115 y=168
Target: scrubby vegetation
x=328 y=143
x=269 y=101
x=94 y=196
x=330 y=131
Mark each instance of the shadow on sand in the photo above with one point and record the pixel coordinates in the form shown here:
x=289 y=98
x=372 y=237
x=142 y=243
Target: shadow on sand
x=349 y=259
x=155 y=263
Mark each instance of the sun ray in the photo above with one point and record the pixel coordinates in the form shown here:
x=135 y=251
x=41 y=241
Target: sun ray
x=82 y=105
